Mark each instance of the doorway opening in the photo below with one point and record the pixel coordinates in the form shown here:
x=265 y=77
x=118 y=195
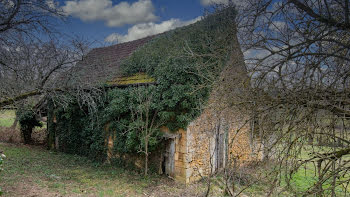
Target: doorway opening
x=168 y=160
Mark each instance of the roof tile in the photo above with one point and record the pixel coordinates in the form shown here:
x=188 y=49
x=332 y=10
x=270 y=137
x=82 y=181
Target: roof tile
x=103 y=64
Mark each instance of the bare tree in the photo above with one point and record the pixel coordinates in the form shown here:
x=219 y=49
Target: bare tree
x=32 y=53
x=145 y=121
x=297 y=59
x=297 y=55
x=27 y=17
x=33 y=69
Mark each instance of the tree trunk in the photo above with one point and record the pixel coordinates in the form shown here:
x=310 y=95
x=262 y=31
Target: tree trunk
x=319 y=189
x=146 y=157
x=27 y=135
x=14 y=125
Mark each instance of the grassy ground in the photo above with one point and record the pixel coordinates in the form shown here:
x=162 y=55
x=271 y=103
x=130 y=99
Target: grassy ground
x=8 y=134
x=305 y=177
x=7 y=117
x=13 y=135
x=34 y=171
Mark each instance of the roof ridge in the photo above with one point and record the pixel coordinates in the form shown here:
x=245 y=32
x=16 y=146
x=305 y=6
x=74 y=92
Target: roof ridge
x=129 y=42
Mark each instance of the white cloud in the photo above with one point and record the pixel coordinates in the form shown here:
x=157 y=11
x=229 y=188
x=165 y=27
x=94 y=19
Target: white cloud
x=113 y=15
x=255 y=54
x=211 y=2
x=147 y=29
x=52 y=4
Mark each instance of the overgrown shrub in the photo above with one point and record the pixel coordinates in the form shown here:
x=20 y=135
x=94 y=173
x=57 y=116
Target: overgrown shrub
x=120 y=113
x=27 y=120
x=80 y=133
x=184 y=62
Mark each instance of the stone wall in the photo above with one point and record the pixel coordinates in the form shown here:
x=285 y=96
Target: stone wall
x=202 y=143
x=195 y=147
x=225 y=121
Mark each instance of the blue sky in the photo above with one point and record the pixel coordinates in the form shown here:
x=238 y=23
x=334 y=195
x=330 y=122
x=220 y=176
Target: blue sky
x=116 y=21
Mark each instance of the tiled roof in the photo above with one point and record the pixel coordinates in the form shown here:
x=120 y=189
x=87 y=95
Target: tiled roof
x=103 y=64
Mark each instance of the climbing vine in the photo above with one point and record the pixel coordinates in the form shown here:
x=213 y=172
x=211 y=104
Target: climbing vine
x=79 y=132
x=184 y=63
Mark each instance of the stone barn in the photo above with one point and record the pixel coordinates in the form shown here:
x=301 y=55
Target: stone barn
x=220 y=135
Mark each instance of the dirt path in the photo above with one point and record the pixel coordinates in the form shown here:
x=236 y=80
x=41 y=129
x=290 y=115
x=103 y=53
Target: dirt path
x=28 y=188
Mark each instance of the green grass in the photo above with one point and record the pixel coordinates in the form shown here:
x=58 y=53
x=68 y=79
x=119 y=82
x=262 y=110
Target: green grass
x=303 y=179
x=70 y=175
x=7 y=117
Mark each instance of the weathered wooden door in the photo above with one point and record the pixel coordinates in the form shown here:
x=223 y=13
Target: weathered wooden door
x=170 y=157
x=221 y=149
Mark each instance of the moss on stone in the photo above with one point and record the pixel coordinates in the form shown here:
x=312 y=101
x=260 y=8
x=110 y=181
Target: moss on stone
x=137 y=78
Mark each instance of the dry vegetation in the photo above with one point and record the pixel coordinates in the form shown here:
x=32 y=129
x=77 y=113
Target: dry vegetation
x=34 y=171
x=13 y=135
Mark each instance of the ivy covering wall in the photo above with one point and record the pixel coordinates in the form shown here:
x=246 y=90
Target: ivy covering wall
x=184 y=62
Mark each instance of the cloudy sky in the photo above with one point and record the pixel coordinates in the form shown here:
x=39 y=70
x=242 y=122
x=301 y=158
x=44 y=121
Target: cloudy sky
x=116 y=21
